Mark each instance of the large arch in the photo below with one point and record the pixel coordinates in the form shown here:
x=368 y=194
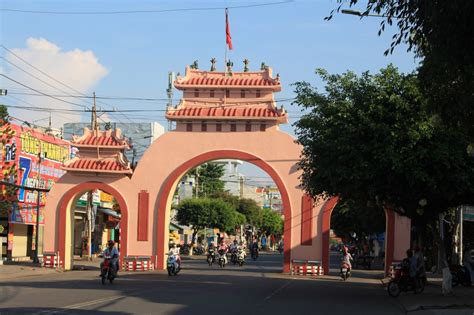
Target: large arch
x=170 y=183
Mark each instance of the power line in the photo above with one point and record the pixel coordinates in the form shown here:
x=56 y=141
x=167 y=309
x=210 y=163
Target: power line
x=146 y=11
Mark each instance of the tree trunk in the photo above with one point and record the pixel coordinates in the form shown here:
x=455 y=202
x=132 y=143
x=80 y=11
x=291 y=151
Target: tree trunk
x=442 y=267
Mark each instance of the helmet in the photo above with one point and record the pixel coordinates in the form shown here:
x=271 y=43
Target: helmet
x=110 y=242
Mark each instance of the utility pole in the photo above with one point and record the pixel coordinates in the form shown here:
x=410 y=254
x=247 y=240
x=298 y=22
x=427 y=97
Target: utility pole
x=169 y=92
x=38 y=200
x=241 y=186
x=94 y=115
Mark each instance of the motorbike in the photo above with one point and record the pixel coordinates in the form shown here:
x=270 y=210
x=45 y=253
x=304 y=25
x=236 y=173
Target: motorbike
x=460 y=275
x=254 y=253
x=222 y=258
x=402 y=282
x=211 y=256
x=108 y=271
x=233 y=257
x=345 y=271
x=172 y=264
x=241 y=257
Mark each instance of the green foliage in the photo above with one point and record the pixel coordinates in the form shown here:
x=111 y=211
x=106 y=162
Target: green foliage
x=208 y=177
x=350 y=217
x=205 y=212
x=7 y=193
x=371 y=138
x=272 y=223
x=251 y=211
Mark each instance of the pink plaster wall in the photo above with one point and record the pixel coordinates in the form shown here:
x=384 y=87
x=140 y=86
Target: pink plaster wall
x=402 y=239
x=166 y=154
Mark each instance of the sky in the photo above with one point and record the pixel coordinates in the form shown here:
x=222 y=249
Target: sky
x=129 y=55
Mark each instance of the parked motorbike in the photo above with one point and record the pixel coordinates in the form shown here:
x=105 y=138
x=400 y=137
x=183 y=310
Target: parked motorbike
x=345 y=271
x=211 y=256
x=460 y=275
x=402 y=282
x=222 y=258
x=241 y=257
x=173 y=265
x=108 y=271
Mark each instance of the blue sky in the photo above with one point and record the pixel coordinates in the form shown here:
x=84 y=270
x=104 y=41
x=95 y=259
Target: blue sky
x=130 y=55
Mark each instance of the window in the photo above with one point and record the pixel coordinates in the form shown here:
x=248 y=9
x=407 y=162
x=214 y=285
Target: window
x=196 y=93
x=203 y=126
x=263 y=127
x=248 y=126
x=258 y=93
x=227 y=93
x=211 y=93
x=189 y=127
x=218 y=127
x=242 y=93
x=233 y=127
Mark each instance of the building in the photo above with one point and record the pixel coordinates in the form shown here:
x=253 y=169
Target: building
x=139 y=135
x=23 y=151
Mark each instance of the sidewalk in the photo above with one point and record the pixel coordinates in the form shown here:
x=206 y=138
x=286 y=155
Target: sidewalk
x=432 y=298
x=22 y=270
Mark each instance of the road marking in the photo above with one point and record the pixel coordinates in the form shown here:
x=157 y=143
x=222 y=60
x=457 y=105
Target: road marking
x=278 y=290
x=83 y=304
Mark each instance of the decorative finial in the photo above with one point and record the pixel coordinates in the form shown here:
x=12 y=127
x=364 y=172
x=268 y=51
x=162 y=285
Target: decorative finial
x=278 y=77
x=263 y=66
x=229 y=66
x=194 y=65
x=213 y=64
x=246 y=65
x=108 y=126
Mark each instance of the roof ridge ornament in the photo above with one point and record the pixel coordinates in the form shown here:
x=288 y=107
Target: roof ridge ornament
x=246 y=65
x=213 y=64
x=263 y=66
x=194 y=65
x=230 y=64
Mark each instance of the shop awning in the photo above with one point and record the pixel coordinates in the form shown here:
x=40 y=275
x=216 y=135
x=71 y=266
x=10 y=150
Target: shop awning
x=110 y=212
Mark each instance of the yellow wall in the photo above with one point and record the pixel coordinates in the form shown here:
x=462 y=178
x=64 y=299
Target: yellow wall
x=20 y=240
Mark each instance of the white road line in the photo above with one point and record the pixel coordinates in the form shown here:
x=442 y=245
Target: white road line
x=83 y=304
x=278 y=290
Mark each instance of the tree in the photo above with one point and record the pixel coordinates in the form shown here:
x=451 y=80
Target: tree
x=251 y=210
x=371 y=138
x=7 y=172
x=208 y=179
x=350 y=217
x=440 y=33
x=272 y=223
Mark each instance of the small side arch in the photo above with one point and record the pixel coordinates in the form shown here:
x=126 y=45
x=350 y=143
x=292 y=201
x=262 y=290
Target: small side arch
x=63 y=213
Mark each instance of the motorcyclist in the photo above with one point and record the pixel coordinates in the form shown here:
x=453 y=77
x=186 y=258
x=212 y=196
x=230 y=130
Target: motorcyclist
x=346 y=259
x=174 y=250
x=113 y=253
x=254 y=247
x=233 y=248
x=223 y=247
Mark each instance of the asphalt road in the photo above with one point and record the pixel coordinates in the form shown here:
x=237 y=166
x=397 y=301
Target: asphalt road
x=256 y=288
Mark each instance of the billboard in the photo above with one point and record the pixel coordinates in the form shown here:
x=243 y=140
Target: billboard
x=24 y=150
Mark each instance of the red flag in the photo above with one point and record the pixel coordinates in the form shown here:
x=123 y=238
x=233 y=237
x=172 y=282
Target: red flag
x=228 y=38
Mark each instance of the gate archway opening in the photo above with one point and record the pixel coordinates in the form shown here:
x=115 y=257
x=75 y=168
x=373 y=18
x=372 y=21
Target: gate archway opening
x=165 y=198
x=66 y=218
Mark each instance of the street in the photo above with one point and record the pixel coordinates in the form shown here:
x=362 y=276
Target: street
x=258 y=287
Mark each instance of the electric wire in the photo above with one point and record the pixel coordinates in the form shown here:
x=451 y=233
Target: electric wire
x=145 y=11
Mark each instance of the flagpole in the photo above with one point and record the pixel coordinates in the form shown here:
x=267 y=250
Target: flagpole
x=225 y=52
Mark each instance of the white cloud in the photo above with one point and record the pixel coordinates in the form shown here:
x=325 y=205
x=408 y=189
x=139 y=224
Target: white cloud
x=76 y=68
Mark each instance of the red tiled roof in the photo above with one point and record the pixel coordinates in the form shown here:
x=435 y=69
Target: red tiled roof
x=106 y=141
x=232 y=81
x=97 y=166
x=233 y=112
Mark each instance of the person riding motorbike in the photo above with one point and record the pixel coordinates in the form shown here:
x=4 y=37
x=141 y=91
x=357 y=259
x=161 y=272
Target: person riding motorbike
x=113 y=253
x=346 y=259
x=174 y=250
x=254 y=249
x=223 y=248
